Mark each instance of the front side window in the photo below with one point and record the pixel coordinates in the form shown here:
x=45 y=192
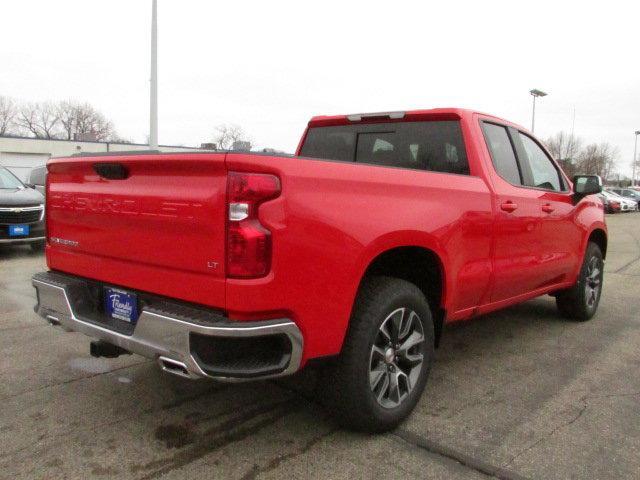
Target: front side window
x=429 y=145
x=8 y=180
x=502 y=154
x=543 y=172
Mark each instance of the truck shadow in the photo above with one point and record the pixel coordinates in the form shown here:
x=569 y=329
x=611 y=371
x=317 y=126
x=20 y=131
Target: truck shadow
x=193 y=420
x=535 y=323
x=9 y=252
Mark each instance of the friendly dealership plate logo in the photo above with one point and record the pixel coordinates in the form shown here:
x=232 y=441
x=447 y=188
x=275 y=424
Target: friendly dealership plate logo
x=121 y=305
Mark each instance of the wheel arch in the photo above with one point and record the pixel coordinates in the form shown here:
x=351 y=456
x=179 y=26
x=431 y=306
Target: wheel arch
x=599 y=237
x=419 y=265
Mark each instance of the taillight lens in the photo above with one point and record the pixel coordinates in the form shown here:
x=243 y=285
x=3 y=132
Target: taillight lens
x=248 y=241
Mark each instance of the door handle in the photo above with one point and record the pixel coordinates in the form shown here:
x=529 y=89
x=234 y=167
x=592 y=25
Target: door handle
x=547 y=208
x=111 y=171
x=509 y=206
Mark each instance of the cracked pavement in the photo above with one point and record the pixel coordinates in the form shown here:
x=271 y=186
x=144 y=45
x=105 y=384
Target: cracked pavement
x=516 y=394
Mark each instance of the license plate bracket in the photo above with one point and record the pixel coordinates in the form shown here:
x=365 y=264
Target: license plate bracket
x=121 y=305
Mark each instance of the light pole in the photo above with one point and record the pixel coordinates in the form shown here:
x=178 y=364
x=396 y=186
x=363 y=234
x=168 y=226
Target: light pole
x=153 y=90
x=535 y=93
x=635 y=148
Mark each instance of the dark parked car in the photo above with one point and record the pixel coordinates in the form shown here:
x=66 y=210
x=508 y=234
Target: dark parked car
x=627 y=193
x=38 y=178
x=21 y=212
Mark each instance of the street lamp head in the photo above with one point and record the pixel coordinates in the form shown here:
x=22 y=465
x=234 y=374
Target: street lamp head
x=637 y=132
x=537 y=93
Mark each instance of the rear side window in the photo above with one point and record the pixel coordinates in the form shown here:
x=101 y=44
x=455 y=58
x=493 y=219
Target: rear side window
x=332 y=143
x=543 y=172
x=502 y=154
x=434 y=146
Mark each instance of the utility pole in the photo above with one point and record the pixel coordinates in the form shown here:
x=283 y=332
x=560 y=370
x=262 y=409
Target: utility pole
x=635 y=148
x=535 y=93
x=153 y=97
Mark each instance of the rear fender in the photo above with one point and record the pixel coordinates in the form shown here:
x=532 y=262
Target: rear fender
x=399 y=239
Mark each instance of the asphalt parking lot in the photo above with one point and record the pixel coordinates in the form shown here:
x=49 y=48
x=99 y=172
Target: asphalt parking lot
x=517 y=394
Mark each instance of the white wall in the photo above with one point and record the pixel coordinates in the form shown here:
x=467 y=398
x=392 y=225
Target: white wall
x=22 y=163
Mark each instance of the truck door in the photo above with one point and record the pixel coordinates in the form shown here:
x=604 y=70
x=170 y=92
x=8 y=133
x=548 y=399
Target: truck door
x=517 y=242
x=560 y=235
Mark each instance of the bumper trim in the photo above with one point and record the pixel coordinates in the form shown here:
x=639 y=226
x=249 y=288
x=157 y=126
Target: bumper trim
x=160 y=336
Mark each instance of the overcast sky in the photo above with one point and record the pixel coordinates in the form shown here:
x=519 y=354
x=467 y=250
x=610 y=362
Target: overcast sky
x=269 y=66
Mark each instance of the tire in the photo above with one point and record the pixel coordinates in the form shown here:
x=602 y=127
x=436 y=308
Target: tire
x=375 y=389
x=37 y=246
x=580 y=302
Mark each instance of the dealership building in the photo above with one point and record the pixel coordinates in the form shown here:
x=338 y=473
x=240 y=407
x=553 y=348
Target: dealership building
x=21 y=154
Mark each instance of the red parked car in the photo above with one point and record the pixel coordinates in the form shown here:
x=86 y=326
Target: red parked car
x=356 y=251
x=610 y=205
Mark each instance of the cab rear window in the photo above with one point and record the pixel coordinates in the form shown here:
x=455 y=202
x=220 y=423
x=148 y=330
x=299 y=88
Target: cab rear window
x=432 y=145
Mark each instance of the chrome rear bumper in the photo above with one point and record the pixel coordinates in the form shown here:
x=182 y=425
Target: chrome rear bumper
x=166 y=336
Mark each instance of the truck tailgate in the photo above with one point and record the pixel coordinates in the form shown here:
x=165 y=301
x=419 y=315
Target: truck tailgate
x=164 y=222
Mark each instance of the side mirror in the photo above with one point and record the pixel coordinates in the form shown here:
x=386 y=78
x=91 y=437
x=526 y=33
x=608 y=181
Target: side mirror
x=30 y=185
x=587 y=185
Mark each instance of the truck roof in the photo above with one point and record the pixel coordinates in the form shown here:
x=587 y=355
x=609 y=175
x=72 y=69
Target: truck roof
x=401 y=115
x=450 y=113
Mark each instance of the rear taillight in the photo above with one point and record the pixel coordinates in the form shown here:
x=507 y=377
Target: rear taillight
x=248 y=241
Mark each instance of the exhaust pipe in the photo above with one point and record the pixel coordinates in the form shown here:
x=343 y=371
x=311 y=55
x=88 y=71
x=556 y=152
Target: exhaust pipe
x=173 y=366
x=99 y=348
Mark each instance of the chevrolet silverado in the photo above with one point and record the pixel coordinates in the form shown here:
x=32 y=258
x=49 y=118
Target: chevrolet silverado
x=355 y=252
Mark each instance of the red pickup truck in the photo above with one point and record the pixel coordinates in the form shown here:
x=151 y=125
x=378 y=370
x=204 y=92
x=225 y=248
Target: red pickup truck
x=357 y=250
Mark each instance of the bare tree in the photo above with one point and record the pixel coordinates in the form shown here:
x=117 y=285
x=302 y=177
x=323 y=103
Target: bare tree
x=67 y=119
x=565 y=148
x=8 y=113
x=67 y=113
x=228 y=134
x=593 y=159
x=39 y=119
x=598 y=159
x=115 y=138
x=83 y=119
